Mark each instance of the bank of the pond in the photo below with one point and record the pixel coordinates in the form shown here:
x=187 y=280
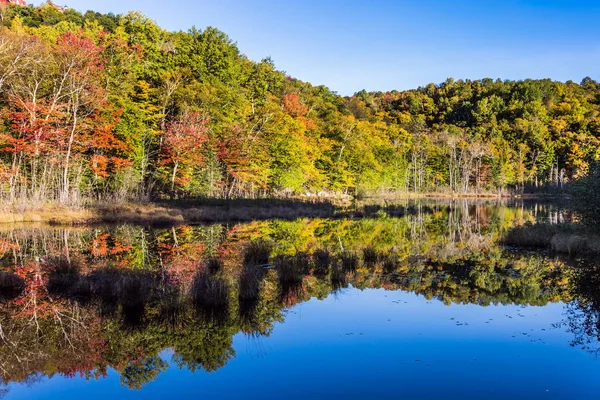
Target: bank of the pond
x=239 y=210
x=169 y=213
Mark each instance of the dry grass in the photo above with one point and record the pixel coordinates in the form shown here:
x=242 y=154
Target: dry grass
x=170 y=213
x=50 y=215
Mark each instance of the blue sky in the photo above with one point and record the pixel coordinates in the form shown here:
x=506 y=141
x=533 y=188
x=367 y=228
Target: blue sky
x=351 y=45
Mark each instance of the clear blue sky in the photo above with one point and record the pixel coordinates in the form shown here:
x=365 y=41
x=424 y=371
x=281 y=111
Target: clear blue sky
x=349 y=45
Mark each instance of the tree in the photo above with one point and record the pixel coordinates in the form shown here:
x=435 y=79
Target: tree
x=183 y=149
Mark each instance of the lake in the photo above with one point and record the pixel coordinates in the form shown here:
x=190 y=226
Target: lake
x=424 y=305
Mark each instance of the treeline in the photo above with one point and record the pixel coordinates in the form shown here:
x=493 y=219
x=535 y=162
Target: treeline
x=106 y=107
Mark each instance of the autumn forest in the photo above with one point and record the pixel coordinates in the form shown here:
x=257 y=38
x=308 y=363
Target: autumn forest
x=102 y=107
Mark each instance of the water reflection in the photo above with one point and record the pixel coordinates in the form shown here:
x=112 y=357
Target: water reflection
x=78 y=302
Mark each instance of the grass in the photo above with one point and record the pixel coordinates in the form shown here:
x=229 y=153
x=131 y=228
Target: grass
x=257 y=253
x=134 y=292
x=338 y=277
x=11 y=285
x=290 y=269
x=370 y=256
x=214 y=265
x=571 y=239
x=209 y=292
x=64 y=276
x=172 y=306
x=250 y=283
x=349 y=262
x=390 y=263
x=322 y=261
x=169 y=213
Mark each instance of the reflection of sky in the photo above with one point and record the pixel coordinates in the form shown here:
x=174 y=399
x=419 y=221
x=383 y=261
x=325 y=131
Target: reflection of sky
x=378 y=344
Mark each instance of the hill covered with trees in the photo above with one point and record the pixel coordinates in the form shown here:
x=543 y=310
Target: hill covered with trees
x=112 y=107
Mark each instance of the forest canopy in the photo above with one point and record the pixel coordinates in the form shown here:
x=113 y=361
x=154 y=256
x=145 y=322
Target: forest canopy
x=112 y=107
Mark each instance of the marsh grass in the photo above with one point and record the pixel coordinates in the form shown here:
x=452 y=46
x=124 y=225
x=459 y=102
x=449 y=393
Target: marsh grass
x=209 y=292
x=64 y=275
x=214 y=265
x=322 y=261
x=248 y=312
x=536 y=236
x=370 y=256
x=11 y=285
x=103 y=283
x=257 y=252
x=349 y=262
x=250 y=283
x=338 y=276
x=290 y=269
x=172 y=306
x=290 y=293
x=390 y=263
x=135 y=290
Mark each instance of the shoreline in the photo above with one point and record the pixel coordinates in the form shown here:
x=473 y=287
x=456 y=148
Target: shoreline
x=179 y=212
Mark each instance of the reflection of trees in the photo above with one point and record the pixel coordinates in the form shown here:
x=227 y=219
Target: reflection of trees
x=125 y=298
x=583 y=313
x=137 y=373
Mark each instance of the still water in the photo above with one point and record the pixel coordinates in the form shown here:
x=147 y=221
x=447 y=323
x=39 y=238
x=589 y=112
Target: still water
x=433 y=306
